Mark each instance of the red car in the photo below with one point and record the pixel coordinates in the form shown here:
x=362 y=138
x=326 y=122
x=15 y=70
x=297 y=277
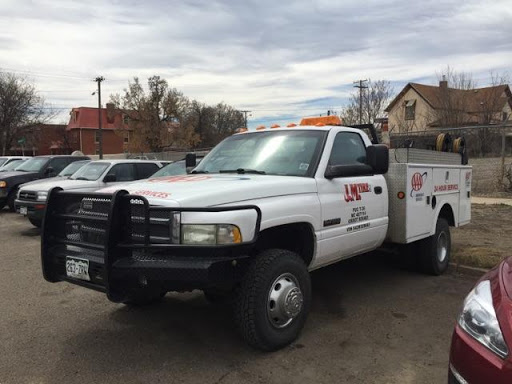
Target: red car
x=481 y=350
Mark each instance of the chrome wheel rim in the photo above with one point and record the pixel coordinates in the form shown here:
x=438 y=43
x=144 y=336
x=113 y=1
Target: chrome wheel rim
x=285 y=300
x=442 y=247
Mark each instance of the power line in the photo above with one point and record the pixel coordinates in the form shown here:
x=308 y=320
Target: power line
x=361 y=87
x=99 y=80
x=245 y=112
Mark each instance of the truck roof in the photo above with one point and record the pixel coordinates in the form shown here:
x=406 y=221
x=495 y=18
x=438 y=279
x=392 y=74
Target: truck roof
x=303 y=128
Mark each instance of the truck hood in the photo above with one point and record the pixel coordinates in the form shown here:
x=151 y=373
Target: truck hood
x=18 y=174
x=38 y=181
x=63 y=183
x=216 y=189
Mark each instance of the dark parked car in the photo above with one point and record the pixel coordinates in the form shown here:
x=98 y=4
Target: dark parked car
x=38 y=167
x=481 y=342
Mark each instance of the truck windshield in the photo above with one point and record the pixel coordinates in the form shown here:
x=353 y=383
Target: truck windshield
x=288 y=153
x=90 y=172
x=33 y=165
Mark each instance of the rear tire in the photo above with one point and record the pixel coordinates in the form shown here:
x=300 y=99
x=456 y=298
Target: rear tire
x=35 y=222
x=273 y=301
x=434 y=251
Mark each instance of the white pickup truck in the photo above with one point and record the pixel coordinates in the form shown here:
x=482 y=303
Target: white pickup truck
x=261 y=210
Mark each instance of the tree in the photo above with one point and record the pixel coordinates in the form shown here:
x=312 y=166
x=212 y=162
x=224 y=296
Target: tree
x=374 y=100
x=163 y=118
x=20 y=107
x=155 y=117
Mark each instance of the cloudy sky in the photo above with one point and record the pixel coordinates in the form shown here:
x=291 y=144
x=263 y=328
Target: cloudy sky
x=281 y=60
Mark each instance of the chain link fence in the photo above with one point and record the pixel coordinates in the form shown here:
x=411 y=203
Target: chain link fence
x=489 y=149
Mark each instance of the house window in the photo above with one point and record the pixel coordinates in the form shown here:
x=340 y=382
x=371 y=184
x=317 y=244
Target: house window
x=410 y=109
x=126 y=119
x=97 y=137
x=127 y=137
x=504 y=116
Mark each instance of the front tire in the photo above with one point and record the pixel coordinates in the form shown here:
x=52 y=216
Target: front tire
x=435 y=250
x=35 y=222
x=273 y=301
x=11 y=198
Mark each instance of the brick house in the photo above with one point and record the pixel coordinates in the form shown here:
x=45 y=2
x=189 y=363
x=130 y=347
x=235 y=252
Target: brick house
x=42 y=139
x=419 y=107
x=84 y=133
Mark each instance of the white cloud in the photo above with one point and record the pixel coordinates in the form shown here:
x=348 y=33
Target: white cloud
x=277 y=59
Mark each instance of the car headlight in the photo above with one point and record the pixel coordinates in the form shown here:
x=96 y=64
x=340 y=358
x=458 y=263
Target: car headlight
x=210 y=234
x=478 y=318
x=42 y=196
x=3 y=184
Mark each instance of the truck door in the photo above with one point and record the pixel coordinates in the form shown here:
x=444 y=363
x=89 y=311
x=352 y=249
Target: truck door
x=354 y=208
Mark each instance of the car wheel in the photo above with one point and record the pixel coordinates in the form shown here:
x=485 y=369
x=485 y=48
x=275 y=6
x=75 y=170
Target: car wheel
x=435 y=251
x=11 y=198
x=35 y=222
x=273 y=301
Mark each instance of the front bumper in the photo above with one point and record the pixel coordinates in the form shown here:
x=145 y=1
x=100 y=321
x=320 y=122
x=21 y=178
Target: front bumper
x=118 y=241
x=35 y=209
x=474 y=363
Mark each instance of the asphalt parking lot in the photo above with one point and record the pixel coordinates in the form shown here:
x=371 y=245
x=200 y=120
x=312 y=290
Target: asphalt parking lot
x=371 y=322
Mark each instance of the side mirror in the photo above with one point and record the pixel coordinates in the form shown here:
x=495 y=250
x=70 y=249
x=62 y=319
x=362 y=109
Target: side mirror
x=190 y=161
x=377 y=157
x=48 y=171
x=110 y=178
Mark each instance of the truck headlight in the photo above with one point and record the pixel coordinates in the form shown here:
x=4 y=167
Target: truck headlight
x=42 y=196
x=3 y=184
x=478 y=319
x=210 y=234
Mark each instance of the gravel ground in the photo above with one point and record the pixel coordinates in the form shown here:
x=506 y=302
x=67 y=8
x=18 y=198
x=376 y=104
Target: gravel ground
x=371 y=322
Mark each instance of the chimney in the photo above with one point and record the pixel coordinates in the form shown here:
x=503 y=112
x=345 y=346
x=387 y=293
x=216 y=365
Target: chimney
x=111 y=112
x=443 y=84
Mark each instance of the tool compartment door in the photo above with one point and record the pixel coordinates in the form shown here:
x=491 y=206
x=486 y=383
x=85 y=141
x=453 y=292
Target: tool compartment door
x=419 y=212
x=465 y=196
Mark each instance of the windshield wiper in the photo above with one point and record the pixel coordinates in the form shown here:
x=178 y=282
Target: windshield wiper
x=194 y=172
x=242 y=171
x=82 y=178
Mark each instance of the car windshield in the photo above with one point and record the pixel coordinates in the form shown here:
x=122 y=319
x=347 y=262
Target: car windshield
x=289 y=153
x=2 y=160
x=90 y=172
x=33 y=165
x=12 y=165
x=174 y=169
x=72 y=168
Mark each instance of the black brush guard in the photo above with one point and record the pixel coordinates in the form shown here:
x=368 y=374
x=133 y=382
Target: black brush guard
x=131 y=245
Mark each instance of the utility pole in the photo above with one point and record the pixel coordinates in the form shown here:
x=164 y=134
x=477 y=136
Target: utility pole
x=99 y=79
x=360 y=84
x=245 y=116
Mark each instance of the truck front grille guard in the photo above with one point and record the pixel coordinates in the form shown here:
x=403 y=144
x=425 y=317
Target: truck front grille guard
x=107 y=228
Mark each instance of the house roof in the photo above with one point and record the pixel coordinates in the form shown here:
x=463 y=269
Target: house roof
x=87 y=118
x=473 y=98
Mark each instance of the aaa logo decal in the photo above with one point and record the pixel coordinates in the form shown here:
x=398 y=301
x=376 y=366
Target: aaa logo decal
x=417 y=181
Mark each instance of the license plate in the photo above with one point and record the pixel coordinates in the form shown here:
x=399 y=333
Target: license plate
x=23 y=211
x=77 y=268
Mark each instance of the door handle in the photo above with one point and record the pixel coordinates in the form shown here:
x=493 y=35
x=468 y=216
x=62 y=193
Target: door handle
x=378 y=190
